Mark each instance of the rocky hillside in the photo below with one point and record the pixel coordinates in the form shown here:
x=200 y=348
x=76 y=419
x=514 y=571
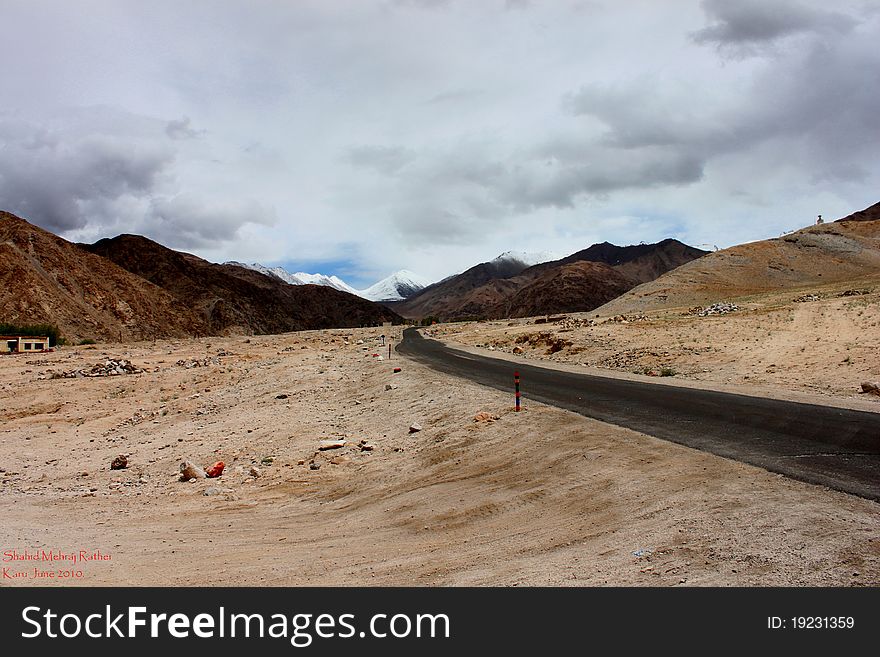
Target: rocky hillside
x=845 y=250
x=566 y=285
x=569 y=287
x=46 y=279
x=233 y=299
x=868 y=214
x=453 y=296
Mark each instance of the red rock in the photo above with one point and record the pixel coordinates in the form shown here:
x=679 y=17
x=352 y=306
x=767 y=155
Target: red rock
x=215 y=470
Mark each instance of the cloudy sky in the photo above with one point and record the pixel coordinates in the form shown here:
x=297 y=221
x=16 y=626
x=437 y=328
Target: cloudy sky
x=357 y=137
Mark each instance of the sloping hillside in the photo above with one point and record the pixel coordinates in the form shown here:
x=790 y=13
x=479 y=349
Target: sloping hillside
x=233 y=299
x=845 y=250
x=570 y=287
x=453 y=296
x=490 y=291
x=46 y=279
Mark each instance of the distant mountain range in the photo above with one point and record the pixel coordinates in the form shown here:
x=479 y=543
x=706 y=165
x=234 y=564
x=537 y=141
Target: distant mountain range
x=399 y=285
x=131 y=288
x=521 y=285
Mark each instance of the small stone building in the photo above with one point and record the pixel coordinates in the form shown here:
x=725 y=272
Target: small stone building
x=23 y=344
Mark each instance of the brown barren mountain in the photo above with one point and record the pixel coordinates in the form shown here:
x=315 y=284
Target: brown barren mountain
x=844 y=250
x=231 y=299
x=566 y=285
x=455 y=296
x=131 y=288
x=46 y=279
x=570 y=287
x=868 y=214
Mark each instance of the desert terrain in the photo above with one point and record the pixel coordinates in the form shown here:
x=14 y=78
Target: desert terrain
x=810 y=344
x=422 y=492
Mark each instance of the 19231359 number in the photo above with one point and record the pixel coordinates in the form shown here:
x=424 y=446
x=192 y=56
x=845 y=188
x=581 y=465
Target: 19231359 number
x=811 y=623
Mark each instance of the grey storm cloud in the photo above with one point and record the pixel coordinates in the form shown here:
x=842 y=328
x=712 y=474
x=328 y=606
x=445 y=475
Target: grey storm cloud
x=747 y=23
x=460 y=195
x=649 y=132
x=188 y=222
x=108 y=172
x=424 y=131
x=53 y=177
x=182 y=129
x=824 y=97
x=602 y=172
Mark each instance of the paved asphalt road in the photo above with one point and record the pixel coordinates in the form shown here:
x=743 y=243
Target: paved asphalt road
x=834 y=447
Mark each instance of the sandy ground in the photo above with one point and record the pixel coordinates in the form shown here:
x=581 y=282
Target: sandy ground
x=823 y=348
x=543 y=497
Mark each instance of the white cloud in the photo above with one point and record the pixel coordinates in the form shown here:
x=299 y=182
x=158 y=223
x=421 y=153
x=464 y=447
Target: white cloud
x=432 y=135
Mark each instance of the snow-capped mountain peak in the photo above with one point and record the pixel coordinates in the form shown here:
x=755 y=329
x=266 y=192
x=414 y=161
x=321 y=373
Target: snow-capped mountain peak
x=396 y=287
x=329 y=281
x=299 y=278
x=278 y=272
x=526 y=258
x=400 y=285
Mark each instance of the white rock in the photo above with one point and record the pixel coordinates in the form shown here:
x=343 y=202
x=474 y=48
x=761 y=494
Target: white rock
x=189 y=470
x=331 y=444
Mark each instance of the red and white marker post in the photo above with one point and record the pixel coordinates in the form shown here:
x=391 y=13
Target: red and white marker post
x=516 y=385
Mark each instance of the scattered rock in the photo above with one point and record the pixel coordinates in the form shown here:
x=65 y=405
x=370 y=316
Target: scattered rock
x=553 y=343
x=397 y=370
x=415 y=427
x=626 y=319
x=314 y=466
x=575 y=322
x=255 y=471
x=717 y=309
x=109 y=367
x=190 y=471
x=119 y=463
x=191 y=362
x=871 y=387
x=267 y=460
x=367 y=447
x=213 y=490
x=282 y=396
x=805 y=298
x=331 y=444
x=483 y=416
x=517 y=350
x=215 y=470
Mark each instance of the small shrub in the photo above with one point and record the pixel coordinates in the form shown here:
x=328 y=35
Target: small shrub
x=667 y=371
